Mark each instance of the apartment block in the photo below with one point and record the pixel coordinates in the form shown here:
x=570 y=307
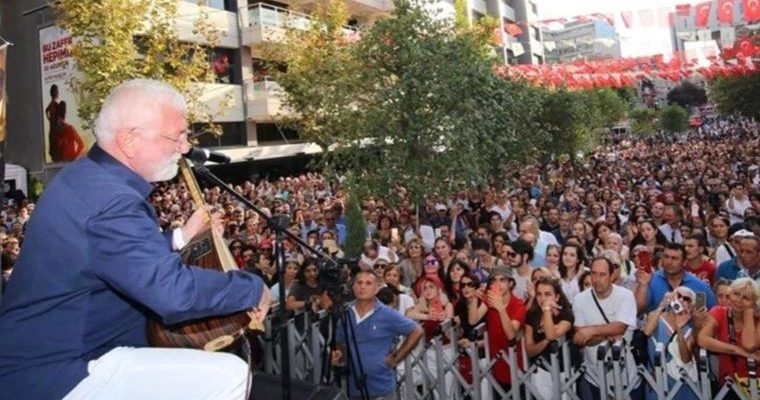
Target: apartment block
x=250 y=133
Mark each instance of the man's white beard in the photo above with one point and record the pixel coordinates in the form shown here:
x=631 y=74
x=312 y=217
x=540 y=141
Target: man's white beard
x=167 y=171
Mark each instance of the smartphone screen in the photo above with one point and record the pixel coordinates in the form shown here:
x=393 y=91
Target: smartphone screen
x=700 y=301
x=394 y=235
x=436 y=306
x=645 y=261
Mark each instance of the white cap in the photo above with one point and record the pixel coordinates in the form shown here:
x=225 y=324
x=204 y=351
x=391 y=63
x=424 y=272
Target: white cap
x=742 y=233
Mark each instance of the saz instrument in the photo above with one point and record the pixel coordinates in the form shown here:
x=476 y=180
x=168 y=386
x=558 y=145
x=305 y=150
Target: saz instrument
x=207 y=250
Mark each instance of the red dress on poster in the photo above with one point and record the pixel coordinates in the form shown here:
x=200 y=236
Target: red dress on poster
x=53 y=116
x=69 y=144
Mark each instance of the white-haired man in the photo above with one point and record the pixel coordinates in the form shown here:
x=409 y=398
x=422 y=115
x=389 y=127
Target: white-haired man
x=94 y=266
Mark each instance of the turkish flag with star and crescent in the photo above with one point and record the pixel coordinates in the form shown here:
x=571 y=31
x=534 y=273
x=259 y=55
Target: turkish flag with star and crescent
x=703 y=14
x=726 y=11
x=751 y=10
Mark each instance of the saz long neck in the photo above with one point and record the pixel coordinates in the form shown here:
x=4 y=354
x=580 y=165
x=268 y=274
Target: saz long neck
x=226 y=260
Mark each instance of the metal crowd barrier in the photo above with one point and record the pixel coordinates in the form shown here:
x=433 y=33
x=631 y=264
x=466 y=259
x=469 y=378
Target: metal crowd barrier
x=431 y=371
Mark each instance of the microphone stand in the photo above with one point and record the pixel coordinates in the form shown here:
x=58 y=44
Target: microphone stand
x=278 y=225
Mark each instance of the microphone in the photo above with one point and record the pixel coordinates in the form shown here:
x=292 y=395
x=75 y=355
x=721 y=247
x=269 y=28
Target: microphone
x=199 y=155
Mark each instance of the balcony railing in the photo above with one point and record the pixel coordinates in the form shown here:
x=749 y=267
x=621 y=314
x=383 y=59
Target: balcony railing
x=265 y=84
x=267 y=15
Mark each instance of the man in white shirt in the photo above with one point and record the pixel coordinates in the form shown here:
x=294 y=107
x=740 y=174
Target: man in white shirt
x=671 y=227
x=737 y=203
x=543 y=239
x=603 y=314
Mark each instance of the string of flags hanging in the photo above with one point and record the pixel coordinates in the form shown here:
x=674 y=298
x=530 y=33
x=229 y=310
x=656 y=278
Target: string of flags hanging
x=617 y=73
x=735 y=56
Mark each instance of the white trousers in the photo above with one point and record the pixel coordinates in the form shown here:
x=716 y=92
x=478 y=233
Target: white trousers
x=159 y=373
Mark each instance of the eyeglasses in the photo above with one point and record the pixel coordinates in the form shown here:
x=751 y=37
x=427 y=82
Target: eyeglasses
x=431 y=262
x=684 y=298
x=179 y=140
x=469 y=284
x=381 y=265
x=511 y=254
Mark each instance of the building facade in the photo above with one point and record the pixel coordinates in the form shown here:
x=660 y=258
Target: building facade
x=250 y=134
x=685 y=34
x=582 y=40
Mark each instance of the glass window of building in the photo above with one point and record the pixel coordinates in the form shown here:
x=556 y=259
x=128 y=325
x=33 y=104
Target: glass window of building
x=233 y=134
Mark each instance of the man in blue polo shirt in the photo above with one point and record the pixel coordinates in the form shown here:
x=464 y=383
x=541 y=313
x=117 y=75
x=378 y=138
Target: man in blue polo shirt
x=653 y=287
x=374 y=326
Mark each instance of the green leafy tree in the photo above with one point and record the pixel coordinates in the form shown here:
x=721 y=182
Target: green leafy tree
x=674 y=118
x=412 y=104
x=119 y=40
x=737 y=95
x=643 y=121
x=356 y=229
x=573 y=121
x=628 y=95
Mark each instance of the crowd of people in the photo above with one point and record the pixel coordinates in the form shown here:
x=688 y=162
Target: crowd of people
x=647 y=240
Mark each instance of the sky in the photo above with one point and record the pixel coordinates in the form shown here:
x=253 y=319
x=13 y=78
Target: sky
x=635 y=42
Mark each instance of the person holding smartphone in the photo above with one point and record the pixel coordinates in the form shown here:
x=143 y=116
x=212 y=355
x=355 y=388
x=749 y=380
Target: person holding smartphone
x=671 y=324
x=652 y=287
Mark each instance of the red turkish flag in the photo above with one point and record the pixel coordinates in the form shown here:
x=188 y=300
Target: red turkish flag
x=726 y=11
x=751 y=10
x=683 y=10
x=746 y=47
x=703 y=14
x=627 y=17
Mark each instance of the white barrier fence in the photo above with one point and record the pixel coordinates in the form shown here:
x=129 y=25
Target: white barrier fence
x=437 y=369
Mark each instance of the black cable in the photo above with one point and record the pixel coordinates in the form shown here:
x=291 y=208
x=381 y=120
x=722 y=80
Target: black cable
x=360 y=380
x=249 y=359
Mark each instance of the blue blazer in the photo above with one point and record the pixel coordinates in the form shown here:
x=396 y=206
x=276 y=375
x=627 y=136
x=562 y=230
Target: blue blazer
x=93 y=264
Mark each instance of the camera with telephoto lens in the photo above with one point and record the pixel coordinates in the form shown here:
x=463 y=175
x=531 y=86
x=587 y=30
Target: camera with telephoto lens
x=332 y=280
x=676 y=306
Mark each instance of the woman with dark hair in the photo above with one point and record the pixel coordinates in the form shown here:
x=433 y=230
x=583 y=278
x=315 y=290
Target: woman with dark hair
x=452 y=283
x=582 y=231
x=649 y=236
x=466 y=308
x=613 y=221
x=236 y=248
x=549 y=318
x=466 y=318
x=384 y=229
x=442 y=249
x=570 y=267
x=307 y=290
x=600 y=231
x=640 y=211
x=291 y=272
x=584 y=281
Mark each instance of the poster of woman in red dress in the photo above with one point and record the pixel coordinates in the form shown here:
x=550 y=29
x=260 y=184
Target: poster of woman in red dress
x=69 y=144
x=52 y=115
